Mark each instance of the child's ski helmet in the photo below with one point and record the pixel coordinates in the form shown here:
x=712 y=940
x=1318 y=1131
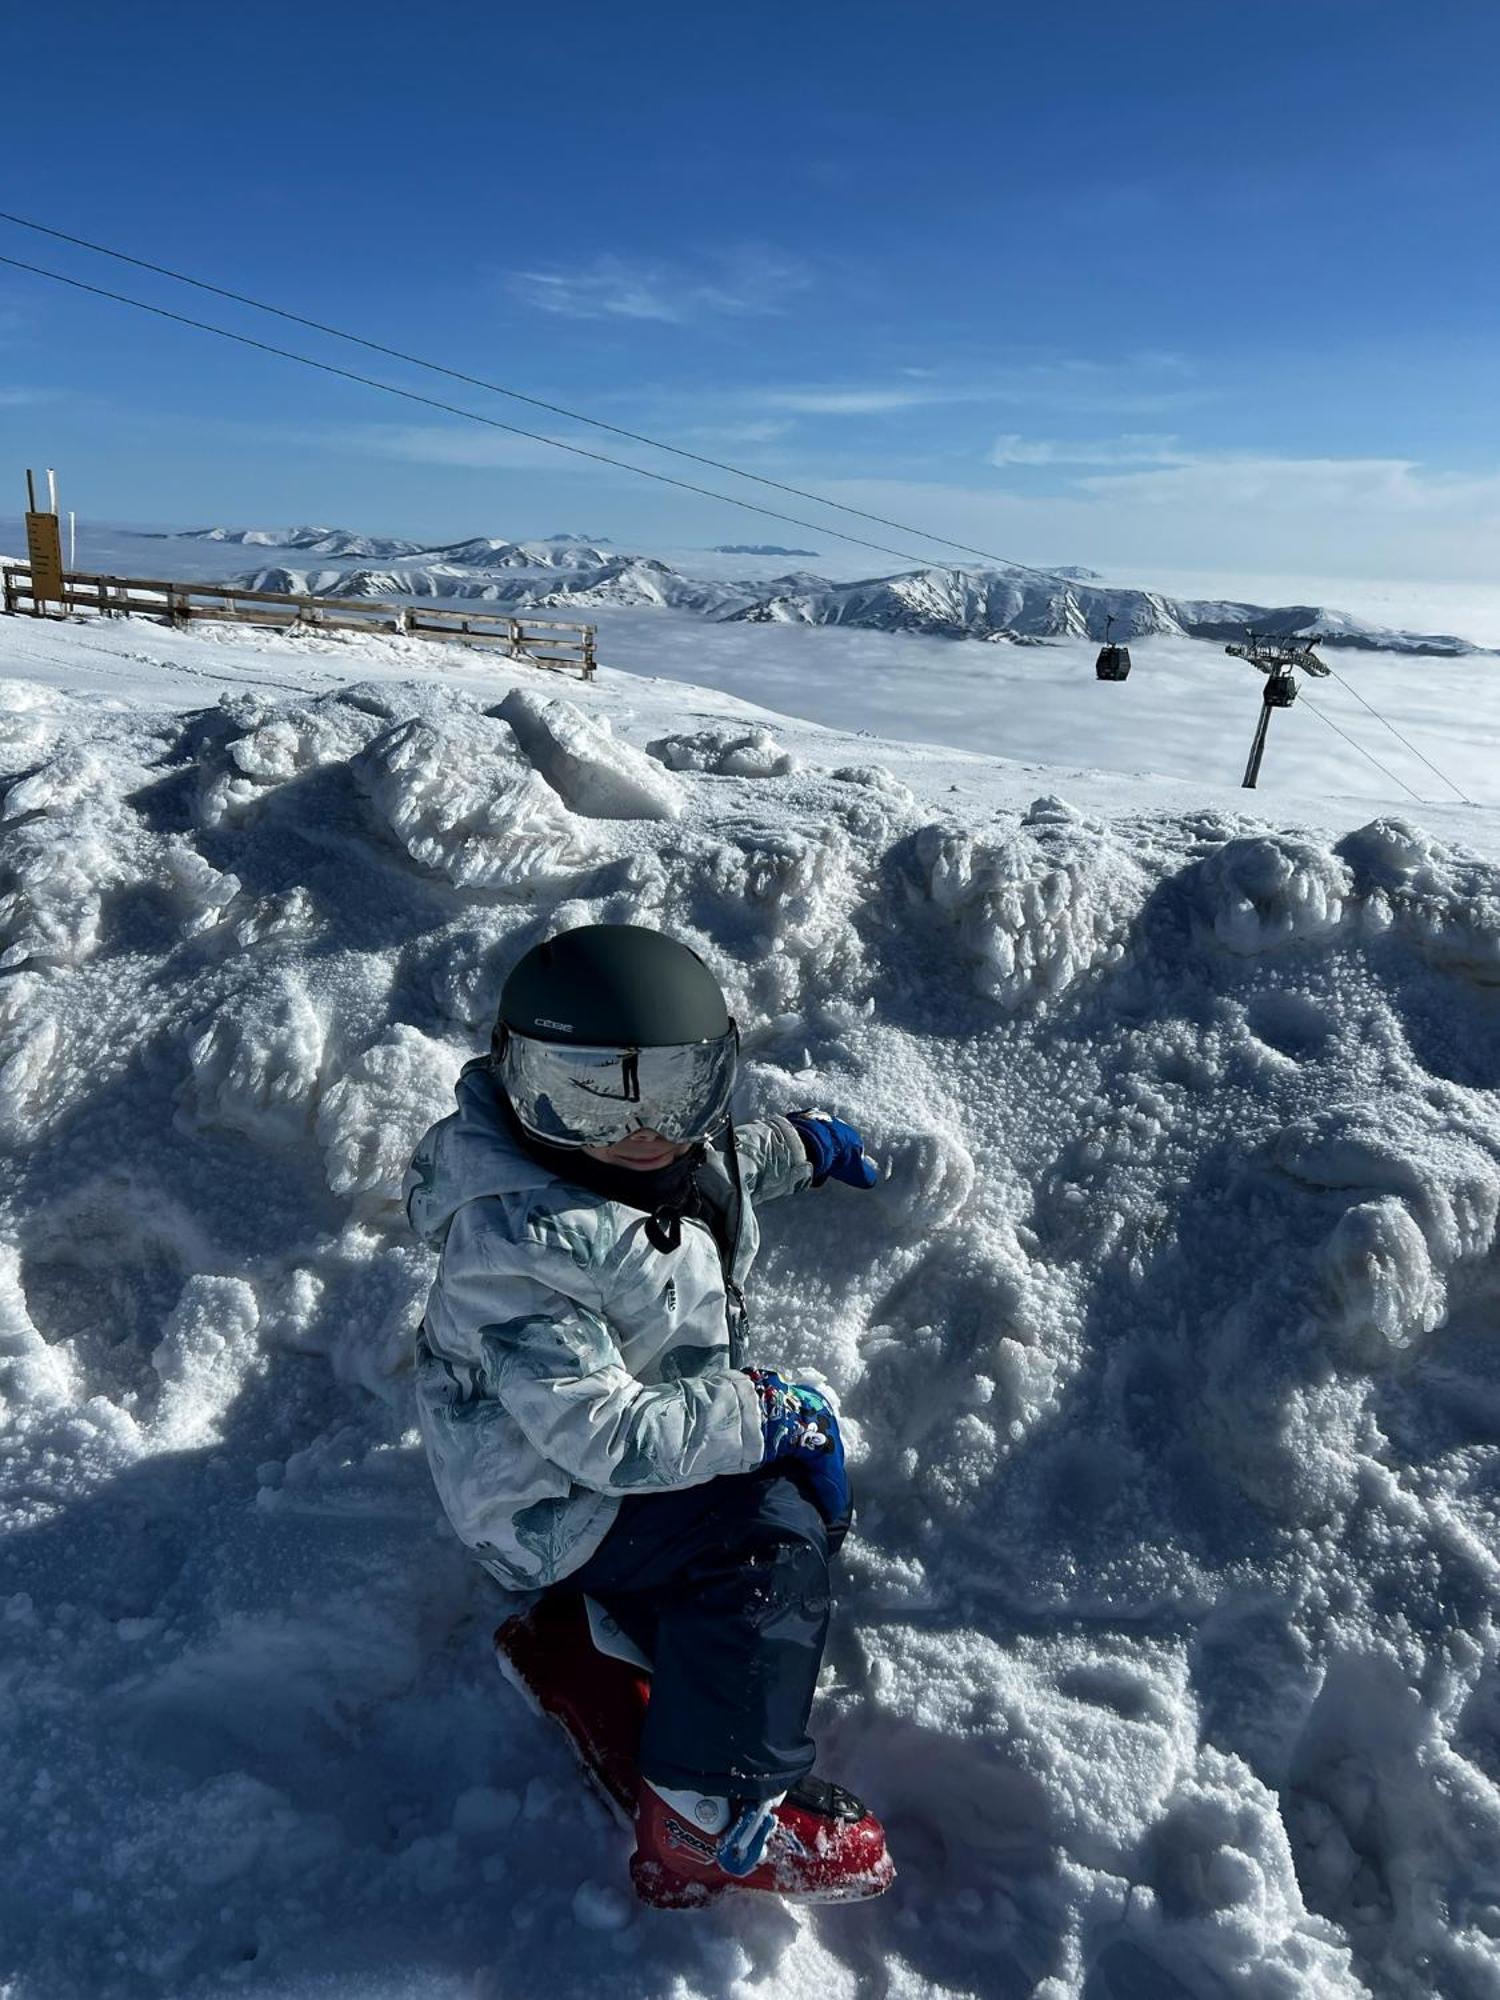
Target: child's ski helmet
x=613 y=1029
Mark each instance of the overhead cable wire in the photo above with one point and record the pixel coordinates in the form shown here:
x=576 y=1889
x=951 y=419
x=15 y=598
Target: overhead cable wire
x=1398 y=736
x=1365 y=753
x=454 y=410
x=540 y=403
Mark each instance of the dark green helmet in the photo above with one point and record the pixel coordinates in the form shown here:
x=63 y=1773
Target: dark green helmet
x=611 y=1029
x=613 y=985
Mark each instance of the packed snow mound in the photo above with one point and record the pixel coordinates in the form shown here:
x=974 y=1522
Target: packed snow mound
x=586 y=763
x=732 y=752
x=1166 y=1641
x=458 y=798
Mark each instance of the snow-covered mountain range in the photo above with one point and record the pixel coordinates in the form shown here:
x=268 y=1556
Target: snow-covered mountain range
x=314 y=541
x=1006 y=602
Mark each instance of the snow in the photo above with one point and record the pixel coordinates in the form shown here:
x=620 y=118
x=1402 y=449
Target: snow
x=1166 y=1642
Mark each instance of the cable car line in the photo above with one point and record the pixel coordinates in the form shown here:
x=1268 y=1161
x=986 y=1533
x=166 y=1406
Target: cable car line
x=539 y=403
x=1364 y=752
x=1399 y=737
x=454 y=410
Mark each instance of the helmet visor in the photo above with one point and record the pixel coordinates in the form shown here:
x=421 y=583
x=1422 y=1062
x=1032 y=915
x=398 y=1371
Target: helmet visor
x=573 y=1096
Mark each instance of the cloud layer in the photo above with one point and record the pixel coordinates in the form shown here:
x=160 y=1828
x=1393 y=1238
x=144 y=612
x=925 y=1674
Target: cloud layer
x=739 y=283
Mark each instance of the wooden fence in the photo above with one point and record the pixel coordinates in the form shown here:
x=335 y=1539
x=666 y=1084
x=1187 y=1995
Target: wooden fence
x=542 y=642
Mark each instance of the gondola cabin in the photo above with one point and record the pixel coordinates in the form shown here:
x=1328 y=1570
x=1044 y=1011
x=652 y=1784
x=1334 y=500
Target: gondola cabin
x=1280 y=691
x=1113 y=663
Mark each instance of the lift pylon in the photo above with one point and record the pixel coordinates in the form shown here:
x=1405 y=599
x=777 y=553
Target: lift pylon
x=1278 y=660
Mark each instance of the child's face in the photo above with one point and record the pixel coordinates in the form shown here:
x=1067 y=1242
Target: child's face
x=645 y=1151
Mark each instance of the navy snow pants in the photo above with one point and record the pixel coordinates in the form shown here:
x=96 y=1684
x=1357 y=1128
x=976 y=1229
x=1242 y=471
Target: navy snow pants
x=725 y=1587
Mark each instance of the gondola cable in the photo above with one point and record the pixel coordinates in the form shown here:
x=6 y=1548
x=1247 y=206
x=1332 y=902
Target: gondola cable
x=536 y=402
x=455 y=410
x=1363 y=751
x=1437 y=772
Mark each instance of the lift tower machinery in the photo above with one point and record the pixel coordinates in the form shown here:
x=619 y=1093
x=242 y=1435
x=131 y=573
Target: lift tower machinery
x=1278 y=660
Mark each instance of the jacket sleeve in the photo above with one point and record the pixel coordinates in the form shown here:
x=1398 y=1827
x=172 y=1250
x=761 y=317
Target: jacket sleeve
x=773 y=1159
x=545 y=1352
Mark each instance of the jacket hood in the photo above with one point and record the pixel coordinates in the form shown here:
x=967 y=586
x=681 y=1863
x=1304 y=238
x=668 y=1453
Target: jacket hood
x=466 y=1156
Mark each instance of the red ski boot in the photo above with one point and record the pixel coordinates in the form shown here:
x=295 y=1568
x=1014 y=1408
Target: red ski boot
x=817 y=1845
x=571 y=1661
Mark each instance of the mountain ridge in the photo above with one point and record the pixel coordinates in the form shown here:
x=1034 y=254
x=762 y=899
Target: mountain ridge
x=1002 y=603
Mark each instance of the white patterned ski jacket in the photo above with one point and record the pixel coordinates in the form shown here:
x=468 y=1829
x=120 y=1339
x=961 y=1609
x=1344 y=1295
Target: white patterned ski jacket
x=564 y=1360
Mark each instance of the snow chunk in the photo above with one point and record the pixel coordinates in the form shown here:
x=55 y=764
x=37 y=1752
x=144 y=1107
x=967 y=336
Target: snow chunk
x=290 y=916
x=1034 y=910
x=68 y=840
x=1031 y=1746
x=201 y=892
x=928 y=1177
x=34 y=1377
x=303 y=739
x=876 y=778
x=208 y=1349
x=31 y=1048
x=789 y=894
x=371 y=1119
x=585 y=762
x=465 y=979
x=255 y=1070
x=461 y=802
x=1273 y=890
x=726 y=750
x=1445 y=905
x=1385 y=1293
x=31 y=717
x=283 y=743
x=1228 y=1905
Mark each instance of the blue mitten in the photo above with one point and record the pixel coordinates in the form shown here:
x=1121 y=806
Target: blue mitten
x=836 y=1150
x=799 y=1426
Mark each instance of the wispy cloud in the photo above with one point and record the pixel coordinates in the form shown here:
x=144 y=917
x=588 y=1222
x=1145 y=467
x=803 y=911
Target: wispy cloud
x=832 y=401
x=1236 y=514
x=16 y=399
x=1160 y=471
x=740 y=283
x=1384 y=486
x=723 y=436
x=455 y=444
x=1133 y=448
x=1131 y=385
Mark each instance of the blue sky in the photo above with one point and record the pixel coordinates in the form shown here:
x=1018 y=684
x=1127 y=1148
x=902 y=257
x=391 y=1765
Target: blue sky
x=1170 y=286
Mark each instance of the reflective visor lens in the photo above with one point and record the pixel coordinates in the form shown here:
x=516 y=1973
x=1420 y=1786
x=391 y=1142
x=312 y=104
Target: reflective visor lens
x=592 y=1097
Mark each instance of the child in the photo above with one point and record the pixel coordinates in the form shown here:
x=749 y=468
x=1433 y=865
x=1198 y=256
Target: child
x=586 y=1407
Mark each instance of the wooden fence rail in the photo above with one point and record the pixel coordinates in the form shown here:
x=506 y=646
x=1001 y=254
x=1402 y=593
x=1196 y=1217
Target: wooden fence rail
x=542 y=642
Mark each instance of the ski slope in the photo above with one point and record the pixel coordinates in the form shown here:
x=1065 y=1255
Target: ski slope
x=1165 y=1643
